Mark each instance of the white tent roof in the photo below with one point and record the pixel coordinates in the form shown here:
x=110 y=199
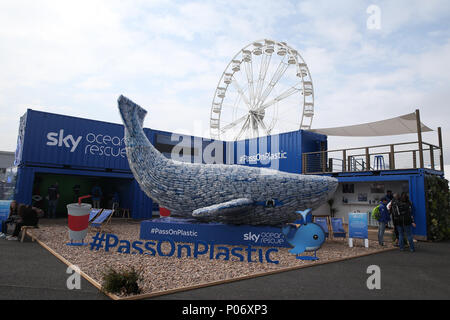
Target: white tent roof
x=399 y=125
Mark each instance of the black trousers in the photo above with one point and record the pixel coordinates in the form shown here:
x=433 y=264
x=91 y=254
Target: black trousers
x=19 y=225
x=5 y=226
x=395 y=230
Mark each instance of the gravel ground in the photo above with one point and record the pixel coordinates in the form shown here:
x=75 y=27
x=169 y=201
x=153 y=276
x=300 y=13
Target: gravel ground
x=166 y=273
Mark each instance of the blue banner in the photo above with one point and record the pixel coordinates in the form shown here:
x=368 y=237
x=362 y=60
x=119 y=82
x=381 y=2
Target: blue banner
x=4 y=211
x=358 y=225
x=190 y=231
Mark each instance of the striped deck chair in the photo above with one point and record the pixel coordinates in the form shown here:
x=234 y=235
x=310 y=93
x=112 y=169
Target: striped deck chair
x=105 y=215
x=94 y=213
x=338 y=228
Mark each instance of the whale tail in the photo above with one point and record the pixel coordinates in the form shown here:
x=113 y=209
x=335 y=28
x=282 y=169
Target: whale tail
x=132 y=114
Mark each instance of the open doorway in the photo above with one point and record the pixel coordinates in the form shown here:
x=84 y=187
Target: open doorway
x=73 y=186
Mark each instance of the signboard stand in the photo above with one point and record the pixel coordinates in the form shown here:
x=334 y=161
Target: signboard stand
x=350 y=242
x=358 y=228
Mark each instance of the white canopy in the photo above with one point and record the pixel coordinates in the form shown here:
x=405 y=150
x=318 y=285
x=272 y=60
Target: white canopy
x=400 y=125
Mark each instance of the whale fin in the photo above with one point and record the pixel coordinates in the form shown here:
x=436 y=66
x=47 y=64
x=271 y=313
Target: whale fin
x=131 y=112
x=230 y=207
x=141 y=113
x=306 y=216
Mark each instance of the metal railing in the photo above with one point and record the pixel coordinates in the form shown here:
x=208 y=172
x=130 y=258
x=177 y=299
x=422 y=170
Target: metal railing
x=406 y=155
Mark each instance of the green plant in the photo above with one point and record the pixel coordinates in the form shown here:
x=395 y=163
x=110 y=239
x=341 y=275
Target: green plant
x=438 y=208
x=124 y=281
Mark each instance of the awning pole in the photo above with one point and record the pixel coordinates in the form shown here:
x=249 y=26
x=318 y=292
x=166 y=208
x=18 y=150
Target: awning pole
x=441 y=157
x=419 y=136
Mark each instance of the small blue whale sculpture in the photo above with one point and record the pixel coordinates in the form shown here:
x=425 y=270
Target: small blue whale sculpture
x=304 y=235
x=231 y=194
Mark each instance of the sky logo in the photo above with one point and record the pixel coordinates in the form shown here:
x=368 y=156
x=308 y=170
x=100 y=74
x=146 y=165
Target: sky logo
x=251 y=237
x=58 y=139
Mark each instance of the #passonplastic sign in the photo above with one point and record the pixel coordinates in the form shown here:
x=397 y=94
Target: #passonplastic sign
x=358 y=227
x=110 y=242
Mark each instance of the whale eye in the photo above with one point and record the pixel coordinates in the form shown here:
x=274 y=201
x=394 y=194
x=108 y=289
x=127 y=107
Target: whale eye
x=315 y=237
x=270 y=203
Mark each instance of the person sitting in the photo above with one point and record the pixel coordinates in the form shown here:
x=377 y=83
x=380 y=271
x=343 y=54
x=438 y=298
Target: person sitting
x=28 y=216
x=12 y=217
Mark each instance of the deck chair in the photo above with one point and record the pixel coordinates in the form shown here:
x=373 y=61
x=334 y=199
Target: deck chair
x=323 y=223
x=338 y=228
x=105 y=215
x=94 y=213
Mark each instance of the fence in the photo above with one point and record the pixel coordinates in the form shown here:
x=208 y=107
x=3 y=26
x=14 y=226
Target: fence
x=406 y=155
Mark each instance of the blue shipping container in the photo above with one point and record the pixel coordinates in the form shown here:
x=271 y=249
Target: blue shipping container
x=63 y=141
x=63 y=145
x=57 y=140
x=279 y=152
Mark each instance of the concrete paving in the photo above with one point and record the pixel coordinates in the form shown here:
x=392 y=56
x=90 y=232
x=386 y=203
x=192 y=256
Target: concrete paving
x=424 y=274
x=28 y=271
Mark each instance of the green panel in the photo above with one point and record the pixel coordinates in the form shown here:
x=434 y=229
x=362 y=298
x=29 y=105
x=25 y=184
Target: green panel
x=66 y=183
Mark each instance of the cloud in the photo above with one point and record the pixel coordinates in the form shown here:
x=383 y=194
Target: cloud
x=76 y=57
x=405 y=14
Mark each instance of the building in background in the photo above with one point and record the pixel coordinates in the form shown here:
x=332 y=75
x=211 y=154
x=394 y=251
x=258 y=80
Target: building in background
x=7 y=175
x=6 y=161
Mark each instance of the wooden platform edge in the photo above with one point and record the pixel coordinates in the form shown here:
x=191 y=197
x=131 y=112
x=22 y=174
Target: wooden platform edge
x=83 y=274
x=205 y=284
x=250 y=276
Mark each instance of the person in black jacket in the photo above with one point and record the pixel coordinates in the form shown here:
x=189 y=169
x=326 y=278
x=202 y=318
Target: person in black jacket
x=53 y=197
x=28 y=217
x=403 y=220
x=396 y=197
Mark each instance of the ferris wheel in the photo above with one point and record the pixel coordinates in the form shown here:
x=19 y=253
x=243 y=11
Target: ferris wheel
x=265 y=89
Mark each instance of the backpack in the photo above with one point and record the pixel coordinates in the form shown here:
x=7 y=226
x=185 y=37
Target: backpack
x=376 y=212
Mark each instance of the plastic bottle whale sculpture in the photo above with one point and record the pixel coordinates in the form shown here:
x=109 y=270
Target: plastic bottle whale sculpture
x=231 y=194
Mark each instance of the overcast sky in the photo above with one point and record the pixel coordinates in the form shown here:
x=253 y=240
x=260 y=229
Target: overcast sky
x=77 y=57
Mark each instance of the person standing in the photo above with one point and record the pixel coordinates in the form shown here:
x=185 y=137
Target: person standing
x=395 y=198
x=76 y=193
x=404 y=221
x=53 y=197
x=96 y=196
x=383 y=220
x=389 y=195
x=115 y=200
